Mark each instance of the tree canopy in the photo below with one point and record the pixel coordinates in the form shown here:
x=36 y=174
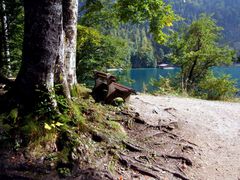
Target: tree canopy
x=196 y=49
x=157 y=13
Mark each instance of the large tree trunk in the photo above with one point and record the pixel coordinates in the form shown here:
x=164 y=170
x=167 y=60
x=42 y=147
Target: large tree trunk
x=70 y=14
x=61 y=71
x=49 y=51
x=66 y=64
x=41 y=50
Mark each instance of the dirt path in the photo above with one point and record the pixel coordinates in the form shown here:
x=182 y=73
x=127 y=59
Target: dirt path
x=213 y=126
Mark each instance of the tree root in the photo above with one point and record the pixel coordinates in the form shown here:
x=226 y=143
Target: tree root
x=164 y=128
x=180 y=139
x=170 y=109
x=137 y=167
x=148 y=170
x=184 y=159
x=132 y=147
x=135 y=117
x=176 y=174
x=136 y=148
x=139 y=120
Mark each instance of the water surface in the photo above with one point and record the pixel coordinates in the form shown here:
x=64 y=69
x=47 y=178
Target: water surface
x=141 y=77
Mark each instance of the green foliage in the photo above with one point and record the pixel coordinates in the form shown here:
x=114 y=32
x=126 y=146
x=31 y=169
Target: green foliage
x=14 y=14
x=99 y=52
x=117 y=128
x=76 y=114
x=196 y=50
x=165 y=86
x=16 y=35
x=142 y=54
x=99 y=14
x=135 y=20
x=145 y=88
x=143 y=51
x=156 y=12
x=106 y=13
x=118 y=101
x=80 y=91
x=42 y=145
x=64 y=172
x=225 y=12
x=13 y=115
x=217 y=88
x=210 y=87
x=31 y=127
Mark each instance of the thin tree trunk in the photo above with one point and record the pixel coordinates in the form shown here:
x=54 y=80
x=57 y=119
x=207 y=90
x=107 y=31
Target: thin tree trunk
x=70 y=14
x=1 y=55
x=41 y=48
x=5 y=40
x=190 y=75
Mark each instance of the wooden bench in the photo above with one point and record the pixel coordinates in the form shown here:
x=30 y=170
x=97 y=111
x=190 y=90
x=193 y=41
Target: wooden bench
x=106 y=88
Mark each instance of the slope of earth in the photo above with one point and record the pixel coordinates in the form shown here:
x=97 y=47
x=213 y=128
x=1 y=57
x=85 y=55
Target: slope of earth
x=165 y=138
x=207 y=132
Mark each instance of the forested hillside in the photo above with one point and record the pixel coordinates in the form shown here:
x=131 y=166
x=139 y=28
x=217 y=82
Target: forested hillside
x=143 y=50
x=225 y=12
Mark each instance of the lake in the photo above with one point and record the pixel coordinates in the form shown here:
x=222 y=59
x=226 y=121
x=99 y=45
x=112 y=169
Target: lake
x=143 y=76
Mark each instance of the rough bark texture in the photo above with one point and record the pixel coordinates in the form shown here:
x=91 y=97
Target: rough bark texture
x=42 y=44
x=70 y=14
x=60 y=70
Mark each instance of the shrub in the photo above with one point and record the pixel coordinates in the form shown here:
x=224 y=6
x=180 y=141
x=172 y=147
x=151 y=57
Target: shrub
x=217 y=88
x=166 y=85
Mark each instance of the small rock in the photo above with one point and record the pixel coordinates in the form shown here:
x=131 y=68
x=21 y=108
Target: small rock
x=74 y=156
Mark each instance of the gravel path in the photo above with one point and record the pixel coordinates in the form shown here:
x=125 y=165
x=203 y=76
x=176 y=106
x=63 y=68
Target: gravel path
x=214 y=126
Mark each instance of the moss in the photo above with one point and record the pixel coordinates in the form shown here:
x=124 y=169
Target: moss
x=42 y=145
x=117 y=129
x=64 y=154
x=80 y=91
x=31 y=129
x=64 y=172
x=13 y=115
x=112 y=165
x=77 y=115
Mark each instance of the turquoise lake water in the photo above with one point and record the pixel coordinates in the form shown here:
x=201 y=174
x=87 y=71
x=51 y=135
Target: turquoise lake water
x=144 y=75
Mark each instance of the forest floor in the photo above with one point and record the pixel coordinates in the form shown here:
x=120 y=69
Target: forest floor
x=167 y=138
x=205 y=132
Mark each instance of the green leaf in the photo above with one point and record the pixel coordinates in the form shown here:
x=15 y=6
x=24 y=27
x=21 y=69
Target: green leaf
x=46 y=126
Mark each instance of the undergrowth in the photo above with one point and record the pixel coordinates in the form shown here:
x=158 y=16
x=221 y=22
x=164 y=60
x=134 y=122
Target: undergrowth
x=80 y=131
x=210 y=88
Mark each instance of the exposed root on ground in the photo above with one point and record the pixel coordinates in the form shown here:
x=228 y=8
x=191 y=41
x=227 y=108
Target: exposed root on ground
x=152 y=170
x=143 y=155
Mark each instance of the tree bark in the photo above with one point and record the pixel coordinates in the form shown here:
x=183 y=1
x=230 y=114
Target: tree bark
x=49 y=50
x=5 y=40
x=41 y=48
x=70 y=14
x=61 y=71
x=190 y=78
x=1 y=54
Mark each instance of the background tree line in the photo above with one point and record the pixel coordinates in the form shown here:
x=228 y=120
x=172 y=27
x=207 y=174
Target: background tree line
x=225 y=12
